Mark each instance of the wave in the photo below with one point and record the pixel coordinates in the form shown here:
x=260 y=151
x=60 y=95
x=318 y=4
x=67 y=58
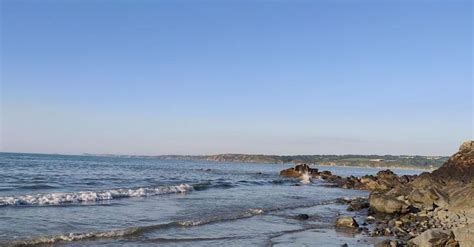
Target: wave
x=141 y=230
x=91 y=196
x=135 y=231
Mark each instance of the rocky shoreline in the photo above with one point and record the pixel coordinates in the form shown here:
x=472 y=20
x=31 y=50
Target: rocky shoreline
x=430 y=209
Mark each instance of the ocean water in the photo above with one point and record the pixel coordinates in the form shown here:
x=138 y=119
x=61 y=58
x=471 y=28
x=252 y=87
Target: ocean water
x=85 y=201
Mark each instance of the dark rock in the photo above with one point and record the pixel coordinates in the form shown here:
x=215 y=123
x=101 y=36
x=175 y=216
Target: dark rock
x=290 y=172
x=358 y=204
x=299 y=170
x=325 y=174
x=302 y=217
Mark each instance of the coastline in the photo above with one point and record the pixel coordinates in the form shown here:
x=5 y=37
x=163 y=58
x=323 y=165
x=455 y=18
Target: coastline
x=430 y=209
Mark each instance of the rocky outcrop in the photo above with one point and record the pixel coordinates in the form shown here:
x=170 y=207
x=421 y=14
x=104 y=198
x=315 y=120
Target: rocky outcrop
x=442 y=200
x=459 y=168
x=298 y=171
x=384 y=180
x=432 y=209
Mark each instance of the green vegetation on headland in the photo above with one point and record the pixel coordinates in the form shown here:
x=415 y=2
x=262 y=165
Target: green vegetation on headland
x=393 y=161
x=353 y=160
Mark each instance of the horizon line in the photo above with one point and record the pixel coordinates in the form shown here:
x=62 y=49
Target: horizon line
x=195 y=155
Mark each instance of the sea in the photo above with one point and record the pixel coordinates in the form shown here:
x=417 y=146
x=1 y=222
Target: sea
x=68 y=200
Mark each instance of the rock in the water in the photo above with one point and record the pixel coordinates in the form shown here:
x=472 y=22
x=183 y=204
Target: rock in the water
x=290 y=172
x=346 y=222
x=298 y=171
x=302 y=217
x=432 y=238
x=358 y=204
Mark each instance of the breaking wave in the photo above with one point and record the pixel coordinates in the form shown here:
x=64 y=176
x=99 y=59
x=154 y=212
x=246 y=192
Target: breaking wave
x=135 y=231
x=91 y=196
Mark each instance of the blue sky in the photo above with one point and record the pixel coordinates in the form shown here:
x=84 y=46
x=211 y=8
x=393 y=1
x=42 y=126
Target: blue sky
x=204 y=77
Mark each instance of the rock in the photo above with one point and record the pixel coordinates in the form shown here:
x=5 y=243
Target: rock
x=346 y=222
x=370 y=219
x=304 y=168
x=464 y=235
x=298 y=171
x=325 y=174
x=358 y=204
x=384 y=243
x=384 y=180
x=290 y=173
x=302 y=217
x=459 y=167
x=370 y=182
x=387 y=204
x=432 y=238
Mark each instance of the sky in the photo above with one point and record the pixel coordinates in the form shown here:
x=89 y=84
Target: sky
x=207 y=77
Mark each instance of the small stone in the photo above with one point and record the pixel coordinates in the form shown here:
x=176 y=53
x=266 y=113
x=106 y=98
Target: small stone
x=302 y=217
x=370 y=219
x=346 y=222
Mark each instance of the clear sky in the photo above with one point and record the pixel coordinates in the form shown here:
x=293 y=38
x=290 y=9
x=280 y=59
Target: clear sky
x=205 y=77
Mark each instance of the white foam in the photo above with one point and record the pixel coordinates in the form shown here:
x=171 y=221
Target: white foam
x=91 y=196
x=305 y=178
x=256 y=211
x=70 y=237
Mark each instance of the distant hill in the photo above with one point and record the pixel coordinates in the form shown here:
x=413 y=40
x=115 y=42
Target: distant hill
x=406 y=161
x=389 y=161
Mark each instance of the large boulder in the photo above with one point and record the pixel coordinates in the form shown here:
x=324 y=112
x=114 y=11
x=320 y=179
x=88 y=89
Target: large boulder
x=428 y=198
x=464 y=235
x=434 y=238
x=388 y=204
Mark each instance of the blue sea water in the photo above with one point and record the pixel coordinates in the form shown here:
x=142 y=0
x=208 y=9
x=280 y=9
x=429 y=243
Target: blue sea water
x=88 y=200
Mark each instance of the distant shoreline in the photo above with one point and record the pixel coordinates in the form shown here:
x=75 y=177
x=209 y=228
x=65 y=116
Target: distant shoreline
x=407 y=162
